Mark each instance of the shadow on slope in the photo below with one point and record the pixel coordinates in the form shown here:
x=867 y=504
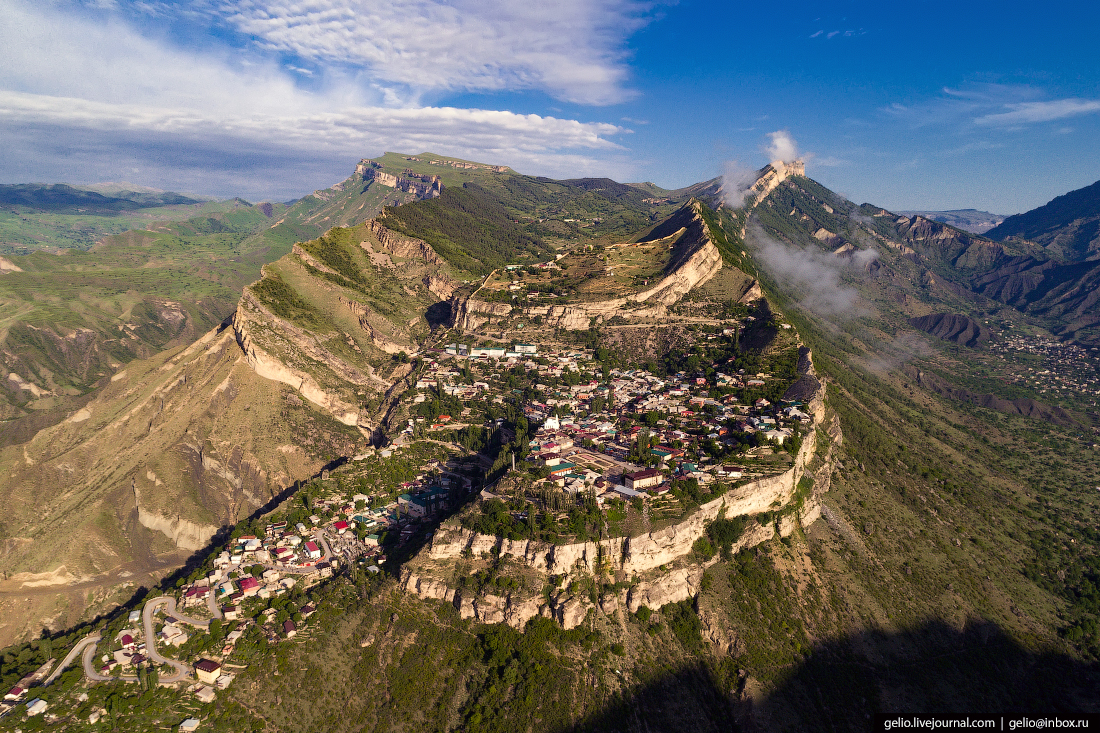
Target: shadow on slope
x=933 y=670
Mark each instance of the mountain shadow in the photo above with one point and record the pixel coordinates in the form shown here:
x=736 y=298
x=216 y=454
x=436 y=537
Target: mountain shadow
x=841 y=685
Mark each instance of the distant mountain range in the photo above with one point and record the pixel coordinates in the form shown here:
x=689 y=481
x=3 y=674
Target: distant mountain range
x=969 y=220
x=61 y=198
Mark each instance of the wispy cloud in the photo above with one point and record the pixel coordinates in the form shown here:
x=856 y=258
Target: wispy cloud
x=571 y=49
x=990 y=106
x=814 y=278
x=736 y=180
x=1028 y=113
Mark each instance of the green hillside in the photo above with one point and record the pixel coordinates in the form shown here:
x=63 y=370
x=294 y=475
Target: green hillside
x=953 y=571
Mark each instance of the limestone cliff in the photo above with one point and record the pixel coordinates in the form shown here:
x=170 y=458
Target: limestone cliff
x=399 y=245
x=250 y=313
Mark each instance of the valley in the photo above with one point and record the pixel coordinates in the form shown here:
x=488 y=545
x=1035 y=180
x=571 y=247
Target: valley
x=509 y=453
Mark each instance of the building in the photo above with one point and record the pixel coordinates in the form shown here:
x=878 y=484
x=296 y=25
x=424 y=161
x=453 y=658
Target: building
x=248 y=585
x=312 y=551
x=642 y=479
x=207 y=670
x=289 y=628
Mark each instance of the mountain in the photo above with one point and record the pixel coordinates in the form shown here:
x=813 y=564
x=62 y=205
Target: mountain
x=920 y=542
x=969 y=220
x=64 y=199
x=318 y=336
x=154 y=287
x=1068 y=226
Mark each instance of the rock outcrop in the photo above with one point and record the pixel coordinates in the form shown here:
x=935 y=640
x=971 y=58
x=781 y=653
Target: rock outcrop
x=362 y=313
x=398 y=245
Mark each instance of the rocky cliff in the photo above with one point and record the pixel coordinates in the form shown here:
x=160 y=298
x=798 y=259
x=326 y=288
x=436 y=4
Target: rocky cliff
x=252 y=314
x=697 y=261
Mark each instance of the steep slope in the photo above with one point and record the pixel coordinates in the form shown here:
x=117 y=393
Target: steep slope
x=70 y=320
x=1068 y=226
x=177 y=446
x=142 y=291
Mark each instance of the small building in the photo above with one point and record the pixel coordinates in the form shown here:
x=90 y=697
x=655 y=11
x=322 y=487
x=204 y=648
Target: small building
x=205 y=694
x=312 y=551
x=290 y=629
x=642 y=479
x=37 y=706
x=189 y=725
x=248 y=585
x=208 y=671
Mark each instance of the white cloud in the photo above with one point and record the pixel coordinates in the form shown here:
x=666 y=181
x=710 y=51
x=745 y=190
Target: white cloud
x=73 y=87
x=990 y=106
x=571 y=49
x=814 y=277
x=737 y=178
x=1024 y=113
x=783 y=148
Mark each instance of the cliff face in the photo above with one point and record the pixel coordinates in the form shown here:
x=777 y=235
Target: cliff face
x=251 y=313
x=697 y=262
x=399 y=245
x=659 y=562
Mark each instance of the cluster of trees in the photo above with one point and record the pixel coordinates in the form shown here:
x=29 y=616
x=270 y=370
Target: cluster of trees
x=720 y=536
x=520 y=519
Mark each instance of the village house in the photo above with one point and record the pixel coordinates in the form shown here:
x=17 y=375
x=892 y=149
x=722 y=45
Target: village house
x=207 y=670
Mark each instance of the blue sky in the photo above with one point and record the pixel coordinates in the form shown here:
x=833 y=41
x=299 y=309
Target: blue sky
x=918 y=105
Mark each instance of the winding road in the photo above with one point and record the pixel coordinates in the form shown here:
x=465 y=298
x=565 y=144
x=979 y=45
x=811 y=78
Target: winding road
x=182 y=670
x=88 y=644
x=85 y=642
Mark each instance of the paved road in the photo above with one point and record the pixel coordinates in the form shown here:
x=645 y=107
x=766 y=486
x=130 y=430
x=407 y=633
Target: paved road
x=182 y=670
x=90 y=670
x=92 y=640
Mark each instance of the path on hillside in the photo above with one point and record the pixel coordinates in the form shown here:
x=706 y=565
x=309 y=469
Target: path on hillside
x=80 y=645
x=182 y=670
